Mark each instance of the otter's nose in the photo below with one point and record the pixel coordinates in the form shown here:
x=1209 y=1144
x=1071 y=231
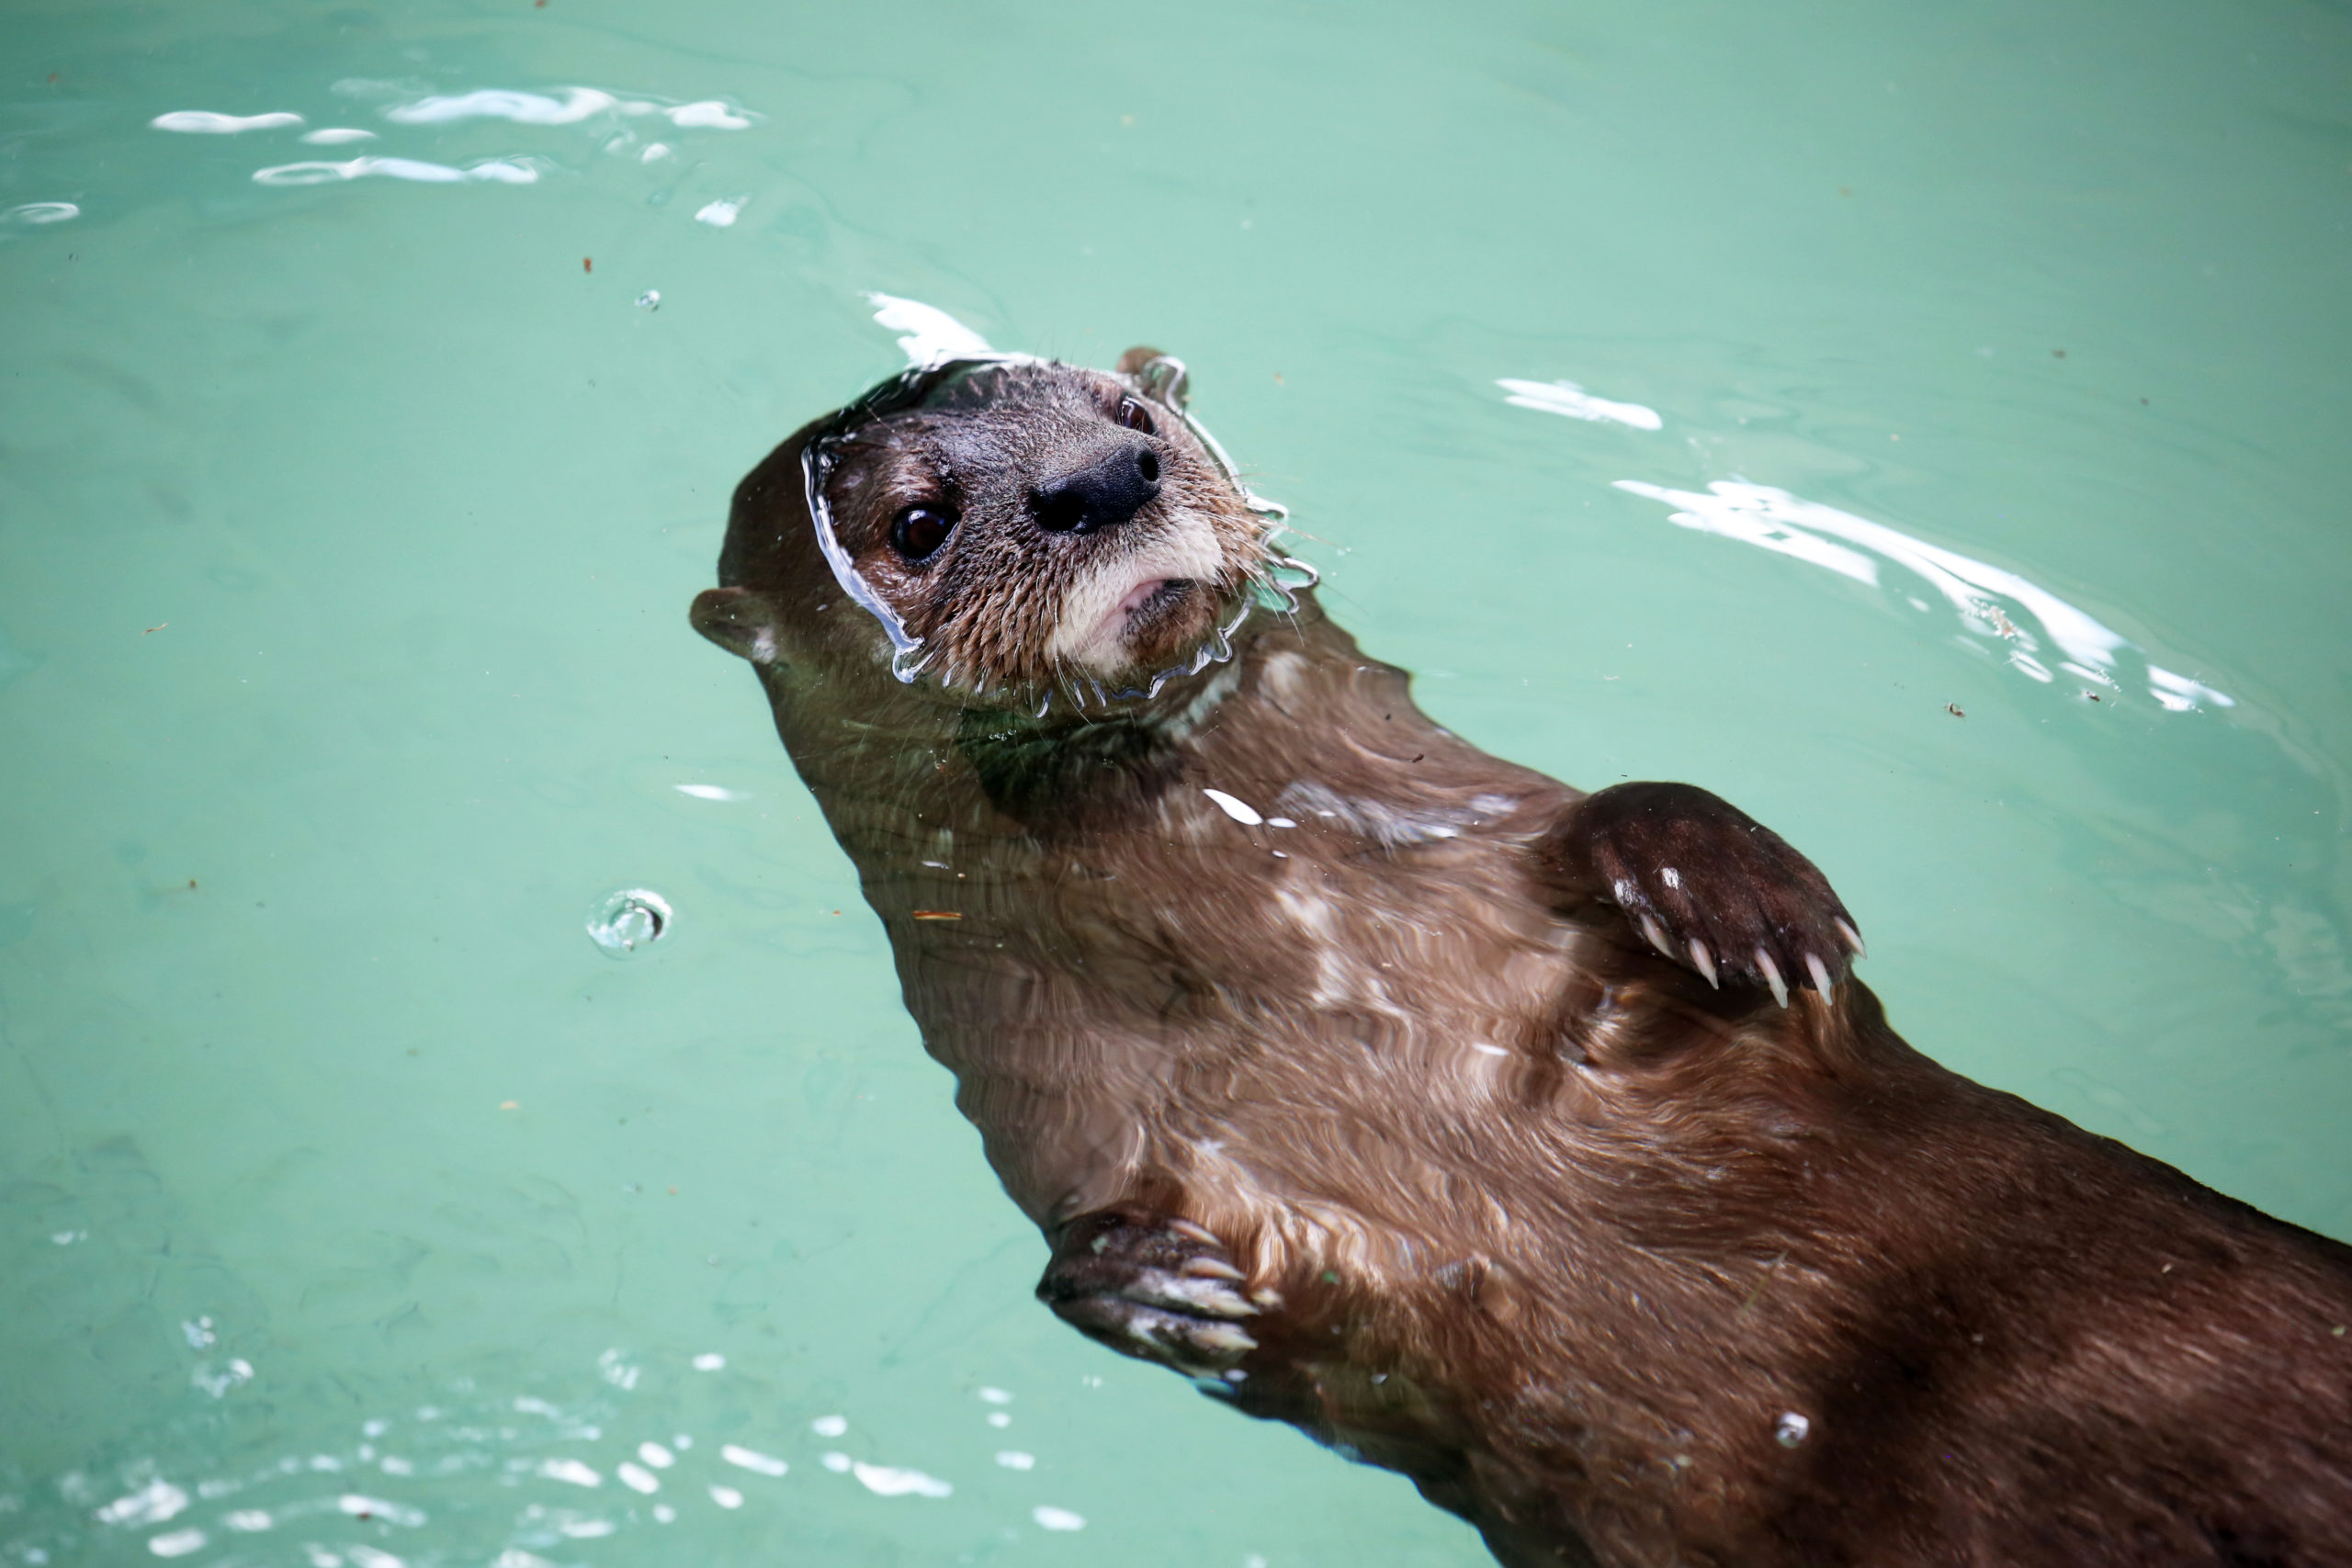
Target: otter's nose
x=1108 y=489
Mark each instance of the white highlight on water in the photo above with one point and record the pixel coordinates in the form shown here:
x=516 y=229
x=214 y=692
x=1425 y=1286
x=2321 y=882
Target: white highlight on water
x=1572 y=401
x=495 y=171
x=928 y=335
x=570 y=1469
x=1993 y=601
x=752 y=1459
x=204 y=122
x=150 y=1504
x=576 y=105
x=889 y=1481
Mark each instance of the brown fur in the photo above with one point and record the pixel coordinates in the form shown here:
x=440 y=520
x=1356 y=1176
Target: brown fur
x=1520 y=1207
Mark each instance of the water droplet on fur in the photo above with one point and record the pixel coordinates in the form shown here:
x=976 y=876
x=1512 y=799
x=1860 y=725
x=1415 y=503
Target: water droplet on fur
x=1790 y=1429
x=633 y=918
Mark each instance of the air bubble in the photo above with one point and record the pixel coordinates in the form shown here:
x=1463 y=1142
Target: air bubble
x=650 y=301
x=633 y=918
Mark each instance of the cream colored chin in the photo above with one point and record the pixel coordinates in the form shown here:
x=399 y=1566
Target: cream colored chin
x=1091 y=634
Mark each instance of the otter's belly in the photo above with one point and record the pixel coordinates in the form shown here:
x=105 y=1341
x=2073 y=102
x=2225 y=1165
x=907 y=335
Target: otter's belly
x=1333 y=1054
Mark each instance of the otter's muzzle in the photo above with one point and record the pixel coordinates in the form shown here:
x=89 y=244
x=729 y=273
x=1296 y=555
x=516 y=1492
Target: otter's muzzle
x=1107 y=490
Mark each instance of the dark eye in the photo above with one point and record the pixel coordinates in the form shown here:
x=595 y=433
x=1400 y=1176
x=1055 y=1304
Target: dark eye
x=1134 y=416
x=918 y=531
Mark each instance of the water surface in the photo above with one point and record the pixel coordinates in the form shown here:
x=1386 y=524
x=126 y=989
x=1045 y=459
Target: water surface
x=356 y=1205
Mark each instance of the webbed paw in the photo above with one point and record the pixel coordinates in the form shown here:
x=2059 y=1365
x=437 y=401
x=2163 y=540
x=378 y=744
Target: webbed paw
x=1152 y=1286
x=1707 y=885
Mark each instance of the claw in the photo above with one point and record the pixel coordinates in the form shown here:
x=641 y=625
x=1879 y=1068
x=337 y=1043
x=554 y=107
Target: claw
x=1772 y=976
x=1657 y=933
x=1820 y=973
x=1211 y=1298
x=1192 y=1232
x=1210 y=1269
x=1704 y=962
x=1221 y=1336
x=1182 y=1342
x=1853 y=939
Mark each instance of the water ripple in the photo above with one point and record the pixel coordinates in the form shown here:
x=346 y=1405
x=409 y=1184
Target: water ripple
x=1993 y=603
x=577 y=104
x=496 y=170
x=33 y=214
x=204 y=122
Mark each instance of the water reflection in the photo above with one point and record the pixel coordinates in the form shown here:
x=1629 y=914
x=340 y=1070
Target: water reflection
x=493 y=171
x=1993 y=603
x=577 y=104
x=478 y=1474
x=205 y=122
x=414 y=107
x=33 y=215
x=1572 y=401
x=927 y=335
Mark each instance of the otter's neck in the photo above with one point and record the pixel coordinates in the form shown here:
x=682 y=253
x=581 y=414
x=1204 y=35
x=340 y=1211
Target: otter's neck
x=871 y=748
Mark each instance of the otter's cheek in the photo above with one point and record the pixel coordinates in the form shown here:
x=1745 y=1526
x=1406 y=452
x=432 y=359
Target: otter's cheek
x=1091 y=632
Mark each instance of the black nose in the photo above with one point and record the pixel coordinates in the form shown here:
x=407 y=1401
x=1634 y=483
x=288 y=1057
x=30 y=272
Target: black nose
x=1107 y=490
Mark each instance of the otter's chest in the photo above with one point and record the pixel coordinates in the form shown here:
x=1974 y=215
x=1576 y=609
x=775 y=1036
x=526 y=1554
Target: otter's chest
x=1207 y=926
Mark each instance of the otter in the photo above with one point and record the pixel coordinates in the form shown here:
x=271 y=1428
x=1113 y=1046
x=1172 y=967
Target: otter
x=1538 y=1145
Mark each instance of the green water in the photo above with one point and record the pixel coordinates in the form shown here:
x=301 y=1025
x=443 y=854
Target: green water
x=347 y=528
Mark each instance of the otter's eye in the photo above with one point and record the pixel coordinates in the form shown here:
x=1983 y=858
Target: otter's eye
x=918 y=531
x=1134 y=416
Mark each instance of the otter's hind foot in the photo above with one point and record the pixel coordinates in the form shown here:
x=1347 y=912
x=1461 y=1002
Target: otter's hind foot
x=1151 y=1286
x=1706 y=885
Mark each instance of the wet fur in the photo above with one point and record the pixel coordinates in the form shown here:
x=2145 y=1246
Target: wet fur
x=989 y=602
x=1419 y=1130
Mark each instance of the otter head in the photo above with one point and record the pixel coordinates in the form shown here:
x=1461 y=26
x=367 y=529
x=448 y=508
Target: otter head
x=1011 y=527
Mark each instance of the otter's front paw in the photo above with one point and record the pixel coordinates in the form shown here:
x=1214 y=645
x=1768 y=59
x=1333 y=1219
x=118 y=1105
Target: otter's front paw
x=1707 y=885
x=1152 y=1286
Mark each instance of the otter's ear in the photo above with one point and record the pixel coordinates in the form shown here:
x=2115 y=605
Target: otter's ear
x=744 y=623
x=1163 y=375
